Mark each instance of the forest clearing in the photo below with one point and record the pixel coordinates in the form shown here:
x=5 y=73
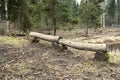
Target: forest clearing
x=22 y=60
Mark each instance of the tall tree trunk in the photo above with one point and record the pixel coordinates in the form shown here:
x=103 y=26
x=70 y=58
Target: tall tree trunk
x=6 y=15
x=116 y=13
x=104 y=20
x=55 y=29
x=19 y=19
x=103 y=5
x=116 y=24
x=53 y=18
x=87 y=32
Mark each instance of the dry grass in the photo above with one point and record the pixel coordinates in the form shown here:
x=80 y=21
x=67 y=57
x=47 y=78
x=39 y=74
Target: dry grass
x=15 y=41
x=42 y=62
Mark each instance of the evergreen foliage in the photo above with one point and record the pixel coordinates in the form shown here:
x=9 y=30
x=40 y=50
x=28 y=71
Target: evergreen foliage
x=118 y=11
x=90 y=12
x=111 y=11
x=2 y=10
x=43 y=15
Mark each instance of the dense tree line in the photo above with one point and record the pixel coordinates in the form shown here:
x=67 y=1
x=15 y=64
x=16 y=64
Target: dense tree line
x=90 y=12
x=34 y=14
x=45 y=15
x=112 y=13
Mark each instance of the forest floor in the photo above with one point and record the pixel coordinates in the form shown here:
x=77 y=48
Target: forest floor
x=21 y=60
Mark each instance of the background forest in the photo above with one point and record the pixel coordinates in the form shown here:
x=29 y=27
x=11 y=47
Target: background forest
x=47 y=15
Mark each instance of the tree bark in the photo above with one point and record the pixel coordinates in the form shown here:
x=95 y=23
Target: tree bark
x=19 y=17
x=55 y=29
x=104 y=5
x=6 y=15
x=87 y=32
x=84 y=46
x=45 y=37
x=53 y=18
x=77 y=45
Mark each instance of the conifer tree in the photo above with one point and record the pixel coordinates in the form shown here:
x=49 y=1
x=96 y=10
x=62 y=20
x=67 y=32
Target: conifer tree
x=118 y=12
x=58 y=11
x=111 y=11
x=90 y=12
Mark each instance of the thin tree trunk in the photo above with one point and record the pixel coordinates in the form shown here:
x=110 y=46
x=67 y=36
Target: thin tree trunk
x=104 y=15
x=6 y=15
x=103 y=5
x=103 y=20
x=116 y=18
x=53 y=18
x=55 y=29
x=87 y=31
x=19 y=19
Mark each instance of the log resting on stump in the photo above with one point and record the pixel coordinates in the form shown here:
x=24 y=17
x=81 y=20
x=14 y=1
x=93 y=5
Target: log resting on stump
x=50 y=38
x=100 y=49
x=65 y=42
x=101 y=56
x=34 y=40
x=84 y=46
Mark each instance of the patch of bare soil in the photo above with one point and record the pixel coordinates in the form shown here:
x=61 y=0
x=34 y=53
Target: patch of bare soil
x=44 y=62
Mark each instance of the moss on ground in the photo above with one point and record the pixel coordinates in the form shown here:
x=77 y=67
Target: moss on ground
x=15 y=41
x=114 y=58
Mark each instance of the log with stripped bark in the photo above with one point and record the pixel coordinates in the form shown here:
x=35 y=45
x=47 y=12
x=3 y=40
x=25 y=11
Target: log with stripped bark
x=101 y=50
x=83 y=46
x=77 y=45
x=45 y=37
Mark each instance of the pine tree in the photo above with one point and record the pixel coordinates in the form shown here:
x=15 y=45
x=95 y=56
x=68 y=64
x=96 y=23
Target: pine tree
x=75 y=13
x=118 y=11
x=18 y=11
x=111 y=11
x=90 y=12
x=34 y=14
x=58 y=11
x=37 y=13
x=103 y=16
x=26 y=14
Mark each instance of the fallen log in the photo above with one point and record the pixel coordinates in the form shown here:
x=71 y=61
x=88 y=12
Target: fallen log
x=101 y=50
x=45 y=37
x=77 y=45
x=84 y=46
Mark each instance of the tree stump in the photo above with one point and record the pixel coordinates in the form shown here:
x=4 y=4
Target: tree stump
x=59 y=47
x=35 y=40
x=101 y=56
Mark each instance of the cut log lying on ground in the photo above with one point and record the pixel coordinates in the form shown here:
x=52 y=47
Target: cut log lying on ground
x=101 y=50
x=84 y=46
x=77 y=45
x=45 y=37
